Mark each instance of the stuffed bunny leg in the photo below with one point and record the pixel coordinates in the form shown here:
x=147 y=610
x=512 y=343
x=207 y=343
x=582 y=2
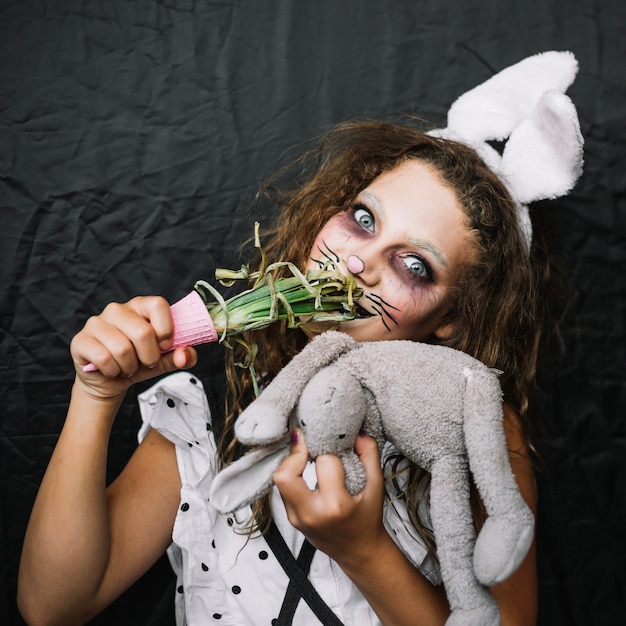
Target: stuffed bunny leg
x=266 y=419
x=451 y=515
x=507 y=533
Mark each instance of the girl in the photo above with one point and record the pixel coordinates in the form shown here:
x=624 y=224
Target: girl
x=432 y=237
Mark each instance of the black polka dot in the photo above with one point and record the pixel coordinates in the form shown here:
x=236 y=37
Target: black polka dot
x=217 y=616
x=180 y=589
x=171 y=403
x=193 y=381
x=205 y=567
x=236 y=589
x=230 y=521
x=213 y=543
x=184 y=506
x=263 y=555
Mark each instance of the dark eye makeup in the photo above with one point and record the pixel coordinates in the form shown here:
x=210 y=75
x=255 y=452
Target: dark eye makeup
x=417 y=267
x=363 y=216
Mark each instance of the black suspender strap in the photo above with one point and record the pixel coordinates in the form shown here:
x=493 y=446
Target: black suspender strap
x=299 y=584
x=292 y=596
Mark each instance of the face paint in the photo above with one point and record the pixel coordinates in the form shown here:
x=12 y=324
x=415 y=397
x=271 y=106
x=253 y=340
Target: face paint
x=405 y=240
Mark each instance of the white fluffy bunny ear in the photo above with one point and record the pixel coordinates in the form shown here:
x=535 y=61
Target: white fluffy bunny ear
x=544 y=154
x=494 y=108
x=525 y=103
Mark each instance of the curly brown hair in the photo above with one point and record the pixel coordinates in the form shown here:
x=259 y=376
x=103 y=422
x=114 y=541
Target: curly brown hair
x=495 y=308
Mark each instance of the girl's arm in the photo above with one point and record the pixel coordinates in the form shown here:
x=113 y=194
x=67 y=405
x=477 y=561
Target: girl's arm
x=350 y=530
x=85 y=544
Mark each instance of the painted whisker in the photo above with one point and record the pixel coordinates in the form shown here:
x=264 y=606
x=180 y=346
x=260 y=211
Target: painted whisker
x=382 y=317
x=376 y=298
x=329 y=254
x=382 y=308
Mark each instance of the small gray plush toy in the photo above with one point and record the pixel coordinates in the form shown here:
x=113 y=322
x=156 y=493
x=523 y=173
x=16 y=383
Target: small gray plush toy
x=439 y=407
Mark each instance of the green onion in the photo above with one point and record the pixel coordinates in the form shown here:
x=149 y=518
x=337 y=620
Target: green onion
x=323 y=295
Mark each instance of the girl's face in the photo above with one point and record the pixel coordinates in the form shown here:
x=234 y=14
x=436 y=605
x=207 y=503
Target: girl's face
x=404 y=240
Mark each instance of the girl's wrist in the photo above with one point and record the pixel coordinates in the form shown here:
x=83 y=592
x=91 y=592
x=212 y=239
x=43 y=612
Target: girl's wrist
x=366 y=554
x=96 y=406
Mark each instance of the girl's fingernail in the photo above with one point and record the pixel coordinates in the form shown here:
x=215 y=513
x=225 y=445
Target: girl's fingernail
x=295 y=436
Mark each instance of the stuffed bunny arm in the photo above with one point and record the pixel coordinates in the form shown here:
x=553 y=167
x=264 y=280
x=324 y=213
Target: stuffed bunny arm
x=248 y=478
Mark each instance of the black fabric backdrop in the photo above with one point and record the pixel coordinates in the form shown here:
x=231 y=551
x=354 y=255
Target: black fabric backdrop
x=133 y=136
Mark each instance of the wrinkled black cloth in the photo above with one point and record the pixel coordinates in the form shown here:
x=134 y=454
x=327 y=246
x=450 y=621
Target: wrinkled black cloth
x=133 y=136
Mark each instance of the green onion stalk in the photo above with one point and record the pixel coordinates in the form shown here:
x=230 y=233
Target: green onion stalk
x=321 y=295
x=204 y=316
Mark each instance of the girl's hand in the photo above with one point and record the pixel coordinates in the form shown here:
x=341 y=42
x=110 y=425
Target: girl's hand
x=125 y=342
x=335 y=522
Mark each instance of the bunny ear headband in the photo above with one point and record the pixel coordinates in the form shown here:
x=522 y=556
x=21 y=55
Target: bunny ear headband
x=525 y=103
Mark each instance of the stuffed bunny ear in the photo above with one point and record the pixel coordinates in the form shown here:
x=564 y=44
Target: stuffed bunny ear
x=248 y=478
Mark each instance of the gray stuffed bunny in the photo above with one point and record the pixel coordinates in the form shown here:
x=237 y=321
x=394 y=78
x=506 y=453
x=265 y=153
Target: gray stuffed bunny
x=439 y=407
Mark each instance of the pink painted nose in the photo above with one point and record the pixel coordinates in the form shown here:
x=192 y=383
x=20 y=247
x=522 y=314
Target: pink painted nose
x=354 y=264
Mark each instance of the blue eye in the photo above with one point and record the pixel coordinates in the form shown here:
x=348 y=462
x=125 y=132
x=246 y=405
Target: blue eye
x=364 y=217
x=416 y=266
